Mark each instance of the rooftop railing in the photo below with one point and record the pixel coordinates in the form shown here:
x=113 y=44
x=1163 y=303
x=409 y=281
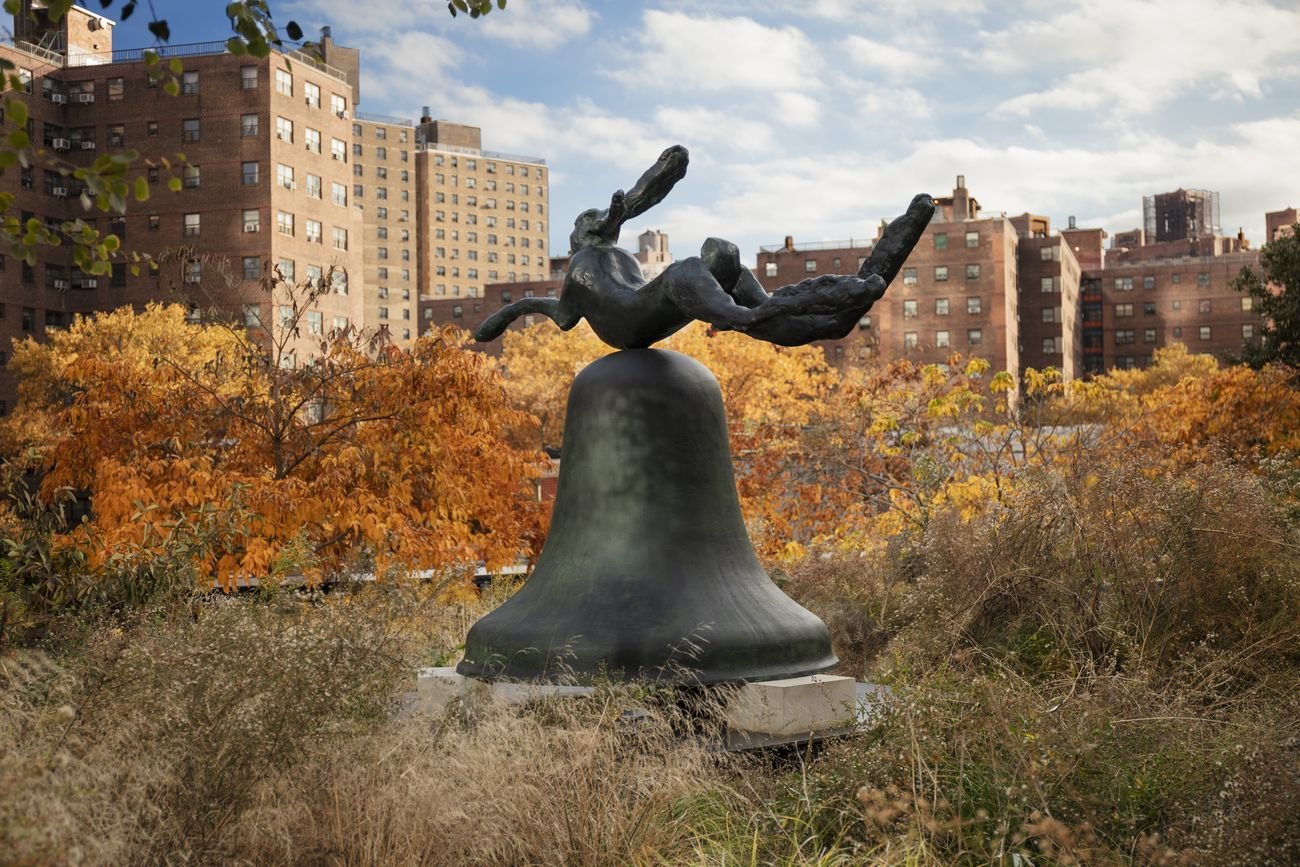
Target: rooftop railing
x=383 y=118
x=850 y=244
x=475 y=152
x=164 y=52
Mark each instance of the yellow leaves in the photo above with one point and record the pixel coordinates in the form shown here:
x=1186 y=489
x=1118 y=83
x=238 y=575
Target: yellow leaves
x=190 y=440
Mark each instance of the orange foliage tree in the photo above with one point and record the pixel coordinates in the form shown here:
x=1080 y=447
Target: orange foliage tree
x=212 y=440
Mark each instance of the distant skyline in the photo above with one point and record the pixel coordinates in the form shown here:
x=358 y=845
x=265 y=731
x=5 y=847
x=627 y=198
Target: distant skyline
x=821 y=121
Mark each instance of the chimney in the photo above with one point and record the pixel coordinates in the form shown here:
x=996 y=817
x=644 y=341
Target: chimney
x=1072 y=223
x=325 y=33
x=789 y=243
x=961 y=182
x=425 y=117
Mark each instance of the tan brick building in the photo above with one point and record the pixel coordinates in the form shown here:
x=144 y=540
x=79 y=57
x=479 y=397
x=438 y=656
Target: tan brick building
x=279 y=169
x=482 y=216
x=262 y=150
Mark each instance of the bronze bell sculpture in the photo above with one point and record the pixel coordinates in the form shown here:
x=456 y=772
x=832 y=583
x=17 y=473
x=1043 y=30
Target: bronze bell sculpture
x=648 y=571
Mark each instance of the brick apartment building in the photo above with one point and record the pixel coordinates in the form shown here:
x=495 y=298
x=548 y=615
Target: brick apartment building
x=278 y=170
x=1011 y=290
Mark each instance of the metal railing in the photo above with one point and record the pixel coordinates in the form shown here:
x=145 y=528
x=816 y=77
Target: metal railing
x=163 y=52
x=382 y=118
x=475 y=152
x=850 y=244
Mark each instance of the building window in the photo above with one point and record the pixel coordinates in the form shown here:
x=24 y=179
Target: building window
x=191 y=225
x=383 y=312
x=154 y=222
x=284 y=176
x=248 y=78
x=972 y=272
x=909 y=340
x=189 y=82
x=1050 y=254
x=909 y=276
x=972 y=239
x=909 y=308
x=1123 y=284
x=1051 y=314
x=284 y=129
x=312 y=138
x=311 y=92
x=941 y=306
x=252 y=220
x=941 y=339
x=1051 y=345
x=252 y=268
x=151 y=128
x=1203 y=278
x=1178 y=331
x=940 y=273
x=1148 y=282
x=248 y=173
x=1123 y=310
x=283 y=82
x=340 y=238
x=190 y=129
x=974 y=336
x=1247 y=303
x=1247 y=331
x=338 y=105
x=249 y=125
x=1204 y=305
x=284 y=222
x=116 y=89
x=1123 y=336
x=1149 y=308
x=1049 y=284
x=769 y=269
x=286 y=269
x=339 y=193
x=339 y=149
x=315 y=322
x=313 y=186
x=192 y=177
x=1148 y=335
x=941 y=240
x=974 y=305
x=1176 y=304
x=117 y=136
x=1205 y=332
x=314 y=234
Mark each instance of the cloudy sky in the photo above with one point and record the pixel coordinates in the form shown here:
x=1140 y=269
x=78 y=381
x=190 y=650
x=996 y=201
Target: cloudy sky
x=818 y=118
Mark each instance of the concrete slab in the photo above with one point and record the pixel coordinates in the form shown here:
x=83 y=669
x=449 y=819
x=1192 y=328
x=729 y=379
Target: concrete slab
x=795 y=706
x=436 y=689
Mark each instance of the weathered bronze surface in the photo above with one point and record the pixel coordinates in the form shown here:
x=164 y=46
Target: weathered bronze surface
x=648 y=571
x=605 y=285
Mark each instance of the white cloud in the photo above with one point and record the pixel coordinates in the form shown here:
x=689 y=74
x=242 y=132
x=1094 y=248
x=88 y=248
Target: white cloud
x=897 y=62
x=699 y=125
x=539 y=24
x=1129 y=57
x=681 y=52
x=797 y=109
x=890 y=105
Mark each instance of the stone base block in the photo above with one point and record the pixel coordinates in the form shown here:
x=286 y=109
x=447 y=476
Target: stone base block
x=436 y=689
x=478 y=693
x=794 y=708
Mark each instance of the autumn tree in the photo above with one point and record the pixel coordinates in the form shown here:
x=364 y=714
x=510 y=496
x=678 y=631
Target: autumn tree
x=233 y=444
x=1275 y=292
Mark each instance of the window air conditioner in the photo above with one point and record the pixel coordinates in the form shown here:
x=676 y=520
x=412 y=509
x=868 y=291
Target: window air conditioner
x=61 y=144
x=87 y=145
x=192 y=278
x=58 y=98
x=89 y=283
x=250 y=227
x=342 y=114
x=60 y=284
x=85 y=97
x=61 y=192
x=336 y=156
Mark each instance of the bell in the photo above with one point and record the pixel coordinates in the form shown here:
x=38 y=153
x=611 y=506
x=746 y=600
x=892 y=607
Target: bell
x=648 y=572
